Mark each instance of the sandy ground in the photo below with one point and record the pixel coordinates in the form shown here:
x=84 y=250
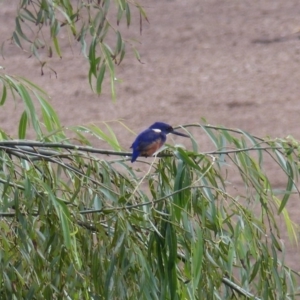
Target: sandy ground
x=235 y=63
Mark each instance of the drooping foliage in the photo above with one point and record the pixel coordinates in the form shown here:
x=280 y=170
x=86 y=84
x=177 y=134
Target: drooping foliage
x=95 y=25
x=78 y=224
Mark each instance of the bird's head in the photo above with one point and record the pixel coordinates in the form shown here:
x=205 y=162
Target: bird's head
x=165 y=128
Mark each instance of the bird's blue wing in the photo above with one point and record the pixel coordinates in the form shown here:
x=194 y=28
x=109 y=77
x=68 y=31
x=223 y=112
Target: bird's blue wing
x=146 y=143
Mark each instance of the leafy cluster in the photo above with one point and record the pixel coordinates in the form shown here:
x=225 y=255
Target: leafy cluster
x=79 y=225
x=93 y=24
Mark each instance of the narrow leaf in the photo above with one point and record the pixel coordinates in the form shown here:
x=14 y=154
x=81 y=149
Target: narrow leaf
x=23 y=125
x=100 y=78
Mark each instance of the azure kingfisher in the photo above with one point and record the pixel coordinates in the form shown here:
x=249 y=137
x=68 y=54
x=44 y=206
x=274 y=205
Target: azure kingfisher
x=151 y=139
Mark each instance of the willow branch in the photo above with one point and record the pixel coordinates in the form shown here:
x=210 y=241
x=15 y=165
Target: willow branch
x=34 y=148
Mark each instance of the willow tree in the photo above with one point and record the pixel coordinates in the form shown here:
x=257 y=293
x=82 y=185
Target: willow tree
x=79 y=224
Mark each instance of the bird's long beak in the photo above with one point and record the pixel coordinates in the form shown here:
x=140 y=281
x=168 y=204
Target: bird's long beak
x=179 y=133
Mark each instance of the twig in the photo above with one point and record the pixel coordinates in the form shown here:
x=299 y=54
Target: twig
x=31 y=148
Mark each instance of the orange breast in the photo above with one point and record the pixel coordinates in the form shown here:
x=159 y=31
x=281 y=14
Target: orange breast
x=152 y=148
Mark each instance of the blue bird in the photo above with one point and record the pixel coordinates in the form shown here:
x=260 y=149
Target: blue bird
x=151 y=139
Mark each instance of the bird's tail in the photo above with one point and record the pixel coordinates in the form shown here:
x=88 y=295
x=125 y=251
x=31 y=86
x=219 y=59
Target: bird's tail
x=135 y=155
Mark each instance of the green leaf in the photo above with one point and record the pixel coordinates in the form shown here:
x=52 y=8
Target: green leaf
x=50 y=117
x=31 y=112
x=183 y=155
x=113 y=139
x=4 y=94
x=92 y=58
x=197 y=257
x=212 y=136
x=120 y=14
x=108 y=57
x=16 y=39
x=33 y=86
x=113 y=90
x=289 y=187
x=128 y=14
x=122 y=53
x=137 y=55
x=56 y=46
x=100 y=78
x=23 y=126
x=20 y=32
x=119 y=43
x=64 y=218
x=28 y=15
